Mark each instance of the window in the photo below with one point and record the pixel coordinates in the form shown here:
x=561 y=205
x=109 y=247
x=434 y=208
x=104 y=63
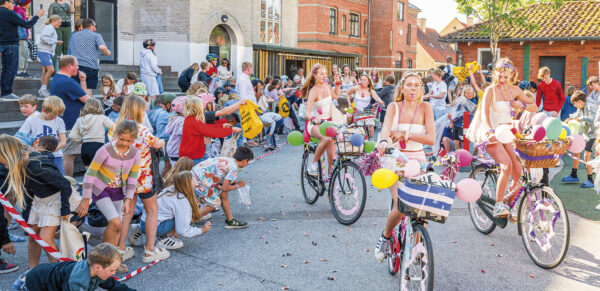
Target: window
x=354 y=24
x=332 y=21
x=484 y=57
x=344 y=23
x=408 y=34
x=398 y=61
x=409 y=63
x=270 y=21
x=400 y=11
x=366 y=27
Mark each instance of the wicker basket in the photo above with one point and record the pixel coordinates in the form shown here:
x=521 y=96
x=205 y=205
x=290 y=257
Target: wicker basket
x=345 y=147
x=545 y=154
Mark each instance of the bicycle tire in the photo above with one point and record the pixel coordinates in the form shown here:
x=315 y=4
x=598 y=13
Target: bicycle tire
x=429 y=264
x=393 y=260
x=480 y=221
x=530 y=242
x=304 y=180
x=336 y=200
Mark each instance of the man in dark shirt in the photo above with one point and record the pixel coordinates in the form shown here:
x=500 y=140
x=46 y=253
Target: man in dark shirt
x=386 y=94
x=9 y=44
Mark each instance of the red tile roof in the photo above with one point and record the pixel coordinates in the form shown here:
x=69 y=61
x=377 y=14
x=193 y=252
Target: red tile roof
x=429 y=40
x=573 y=21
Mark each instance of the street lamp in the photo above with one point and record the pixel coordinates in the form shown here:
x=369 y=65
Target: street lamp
x=224 y=18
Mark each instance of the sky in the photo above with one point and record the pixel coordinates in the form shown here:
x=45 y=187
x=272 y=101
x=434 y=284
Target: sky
x=438 y=12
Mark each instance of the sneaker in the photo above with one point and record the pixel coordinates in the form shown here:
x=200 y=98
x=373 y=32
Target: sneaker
x=133 y=234
x=122 y=269
x=234 y=223
x=43 y=92
x=598 y=207
x=20 y=282
x=16 y=238
x=314 y=169
x=570 y=179
x=269 y=149
x=587 y=184
x=262 y=142
x=170 y=243
x=252 y=144
x=26 y=75
x=10 y=96
x=13 y=225
x=19 y=76
x=501 y=209
x=382 y=250
x=6 y=267
x=127 y=254
x=206 y=217
x=157 y=254
x=513 y=216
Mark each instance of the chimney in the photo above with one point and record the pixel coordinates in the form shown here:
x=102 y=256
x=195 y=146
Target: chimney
x=469 y=21
x=422 y=24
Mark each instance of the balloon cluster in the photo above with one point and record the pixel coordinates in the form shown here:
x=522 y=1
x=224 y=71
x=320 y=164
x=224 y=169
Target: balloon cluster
x=552 y=128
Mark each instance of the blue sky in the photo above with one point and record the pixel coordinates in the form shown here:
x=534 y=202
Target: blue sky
x=438 y=12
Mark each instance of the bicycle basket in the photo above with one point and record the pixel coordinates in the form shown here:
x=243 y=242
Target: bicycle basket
x=345 y=147
x=545 y=154
x=424 y=199
x=366 y=117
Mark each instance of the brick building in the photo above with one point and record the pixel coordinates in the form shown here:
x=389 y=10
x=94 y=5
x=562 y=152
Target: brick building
x=430 y=51
x=567 y=41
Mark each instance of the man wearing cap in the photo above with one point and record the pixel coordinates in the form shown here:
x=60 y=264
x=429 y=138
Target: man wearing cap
x=84 y=46
x=9 y=44
x=149 y=68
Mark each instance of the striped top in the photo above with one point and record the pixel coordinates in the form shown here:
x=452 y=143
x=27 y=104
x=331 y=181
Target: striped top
x=107 y=162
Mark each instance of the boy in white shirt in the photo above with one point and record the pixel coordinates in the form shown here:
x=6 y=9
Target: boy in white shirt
x=437 y=94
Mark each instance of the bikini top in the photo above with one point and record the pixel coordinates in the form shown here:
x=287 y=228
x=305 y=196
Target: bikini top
x=500 y=112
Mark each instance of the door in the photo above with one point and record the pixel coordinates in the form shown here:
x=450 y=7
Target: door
x=556 y=66
x=104 y=12
x=220 y=43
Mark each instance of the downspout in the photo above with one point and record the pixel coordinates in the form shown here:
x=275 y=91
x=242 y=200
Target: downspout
x=369 y=39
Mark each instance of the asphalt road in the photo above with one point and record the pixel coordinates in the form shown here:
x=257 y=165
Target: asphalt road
x=302 y=247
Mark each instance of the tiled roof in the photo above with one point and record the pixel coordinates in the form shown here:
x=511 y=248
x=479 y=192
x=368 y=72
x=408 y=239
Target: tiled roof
x=429 y=40
x=413 y=6
x=573 y=21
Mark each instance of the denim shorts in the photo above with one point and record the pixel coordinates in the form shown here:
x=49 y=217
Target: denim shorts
x=45 y=58
x=162 y=229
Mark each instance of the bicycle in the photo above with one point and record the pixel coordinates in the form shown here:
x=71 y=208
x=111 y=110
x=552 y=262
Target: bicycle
x=541 y=215
x=366 y=119
x=347 y=189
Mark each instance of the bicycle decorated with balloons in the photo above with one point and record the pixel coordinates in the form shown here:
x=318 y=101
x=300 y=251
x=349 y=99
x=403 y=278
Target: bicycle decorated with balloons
x=421 y=198
x=542 y=220
x=346 y=187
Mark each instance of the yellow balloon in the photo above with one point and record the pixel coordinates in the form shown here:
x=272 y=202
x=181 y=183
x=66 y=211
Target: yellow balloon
x=563 y=134
x=384 y=178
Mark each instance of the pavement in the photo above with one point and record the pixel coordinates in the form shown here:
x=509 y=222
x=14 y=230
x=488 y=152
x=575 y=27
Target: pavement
x=290 y=244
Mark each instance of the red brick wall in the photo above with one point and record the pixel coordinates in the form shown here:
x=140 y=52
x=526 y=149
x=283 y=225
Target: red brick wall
x=572 y=50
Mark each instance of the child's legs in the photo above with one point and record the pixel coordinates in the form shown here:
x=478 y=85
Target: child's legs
x=125 y=221
x=498 y=153
x=225 y=205
x=111 y=210
x=33 y=249
x=151 y=208
x=47 y=234
x=394 y=217
x=587 y=157
x=446 y=144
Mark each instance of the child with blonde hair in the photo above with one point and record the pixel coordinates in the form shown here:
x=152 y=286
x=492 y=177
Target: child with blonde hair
x=46 y=50
x=109 y=90
x=28 y=105
x=89 y=129
x=48 y=123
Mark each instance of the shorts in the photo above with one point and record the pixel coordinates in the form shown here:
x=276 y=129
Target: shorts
x=148 y=195
x=88 y=151
x=45 y=211
x=589 y=145
x=447 y=132
x=162 y=229
x=210 y=196
x=72 y=147
x=58 y=161
x=45 y=59
x=151 y=84
x=111 y=209
x=457 y=133
x=91 y=79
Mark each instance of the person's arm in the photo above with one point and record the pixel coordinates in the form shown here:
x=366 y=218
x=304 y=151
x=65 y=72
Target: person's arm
x=472 y=78
x=349 y=93
x=376 y=97
x=154 y=65
x=335 y=91
x=16 y=19
x=111 y=284
x=51 y=10
x=72 y=10
x=485 y=106
x=62 y=141
x=106 y=122
x=211 y=130
x=538 y=94
x=75 y=133
x=101 y=45
x=312 y=96
x=561 y=96
x=230 y=109
x=384 y=140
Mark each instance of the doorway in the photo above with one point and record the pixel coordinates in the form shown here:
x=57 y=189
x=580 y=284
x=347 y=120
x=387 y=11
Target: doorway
x=292 y=66
x=219 y=43
x=556 y=66
x=104 y=12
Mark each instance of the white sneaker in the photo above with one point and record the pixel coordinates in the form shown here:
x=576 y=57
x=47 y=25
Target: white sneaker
x=501 y=210
x=598 y=207
x=314 y=169
x=127 y=254
x=157 y=254
x=170 y=243
x=43 y=92
x=206 y=217
x=133 y=234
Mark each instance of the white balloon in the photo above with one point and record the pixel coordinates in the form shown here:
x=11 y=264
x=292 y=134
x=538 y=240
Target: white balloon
x=504 y=134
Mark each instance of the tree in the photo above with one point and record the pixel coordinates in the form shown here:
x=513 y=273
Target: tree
x=498 y=13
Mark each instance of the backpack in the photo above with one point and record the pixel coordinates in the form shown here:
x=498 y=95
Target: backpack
x=448 y=75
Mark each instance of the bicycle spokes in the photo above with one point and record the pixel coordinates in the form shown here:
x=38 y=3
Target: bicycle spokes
x=345 y=195
x=541 y=229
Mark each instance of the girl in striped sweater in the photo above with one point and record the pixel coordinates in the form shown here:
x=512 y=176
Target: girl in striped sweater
x=111 y=179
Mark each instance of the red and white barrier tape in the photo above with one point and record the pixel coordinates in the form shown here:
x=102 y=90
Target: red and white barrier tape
x=265 y=155
x=54 y=253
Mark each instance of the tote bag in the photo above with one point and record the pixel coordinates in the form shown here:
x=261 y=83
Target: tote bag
x=230 y=146
x=251 y=124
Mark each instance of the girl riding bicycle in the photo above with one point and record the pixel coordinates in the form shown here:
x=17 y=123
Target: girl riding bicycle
x=498 y=107
x=408 y=126
x=318 y=108
x=362 y=94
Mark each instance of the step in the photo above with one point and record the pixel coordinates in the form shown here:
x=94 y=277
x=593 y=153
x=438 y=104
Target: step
x=117 y=71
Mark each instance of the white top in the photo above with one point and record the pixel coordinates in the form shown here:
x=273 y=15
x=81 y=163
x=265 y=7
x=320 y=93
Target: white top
x=48 y=40
x=120 y=86
x=37 y=127
x=325 y=106
x=361 y=101
x=224 y=73
x=243 y=86
x=411 y=145
x=500 y=114
x=437 y=88
x=174 y=205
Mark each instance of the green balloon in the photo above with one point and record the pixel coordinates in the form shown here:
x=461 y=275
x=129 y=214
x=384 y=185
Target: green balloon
x=369 y=146
x=323 y=127
x=314 y=139
x=295 y=138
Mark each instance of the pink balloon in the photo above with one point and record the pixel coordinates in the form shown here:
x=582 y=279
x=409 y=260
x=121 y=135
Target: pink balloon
x=464 y=157
x=319 y=111
x=538 y=119
x=577 y=143
x=340 y=137
x=412 y=169
x=468 y=190
x=306 y=136
x=330 y=131
x=538 y=132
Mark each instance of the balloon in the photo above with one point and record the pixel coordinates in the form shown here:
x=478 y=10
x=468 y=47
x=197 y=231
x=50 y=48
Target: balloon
x=468 y=190
x=319 y=111
x=412 y=169
x=567 y=129
x=464 y=157
x=577 y=143
x=323 y=127
x=306 y=136
x=504 y=133
x=314 y=139
x=295 y=138
x=383 y=178
x=357 y=139
x=553 y=127
x=574 y=126
x=340 y=137
x=563 y=134
x=369 y=146
x=350 y=110
x=331 y=131
x=538 y=133
x=539 y=118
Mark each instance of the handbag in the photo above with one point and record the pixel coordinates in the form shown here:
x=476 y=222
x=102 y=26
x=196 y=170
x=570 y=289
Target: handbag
x=157 y=181
x=73 y=243
x=283 y=107
x=427 y=197
x=32 y=49
x=251 y=124
x=230 y=146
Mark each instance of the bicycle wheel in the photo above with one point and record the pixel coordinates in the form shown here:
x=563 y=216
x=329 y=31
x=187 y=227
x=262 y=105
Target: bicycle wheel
x=479 y=218
x=347 y=193
x=394 y=258
x=311 y=188
x=544 y=226
x=417 y=273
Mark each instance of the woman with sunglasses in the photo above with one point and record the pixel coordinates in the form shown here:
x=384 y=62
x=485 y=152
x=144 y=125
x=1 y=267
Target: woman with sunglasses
x=225 y=72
